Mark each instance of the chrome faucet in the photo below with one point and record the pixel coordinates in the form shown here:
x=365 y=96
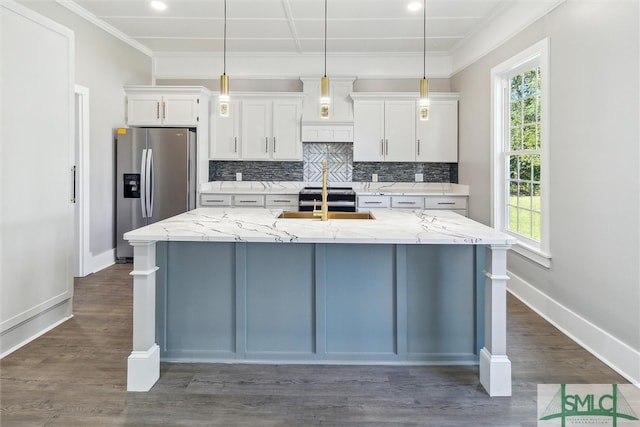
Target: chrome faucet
x=323 y=213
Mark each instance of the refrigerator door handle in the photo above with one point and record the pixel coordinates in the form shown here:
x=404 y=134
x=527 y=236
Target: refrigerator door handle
x=149 y=187
x=143 y=183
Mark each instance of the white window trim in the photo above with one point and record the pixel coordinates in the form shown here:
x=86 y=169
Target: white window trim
x=539 y=253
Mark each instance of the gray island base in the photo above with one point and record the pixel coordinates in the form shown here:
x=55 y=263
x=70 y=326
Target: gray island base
x=241 y=285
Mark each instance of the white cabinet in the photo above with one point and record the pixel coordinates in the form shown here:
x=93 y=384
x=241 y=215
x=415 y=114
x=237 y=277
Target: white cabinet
x=373 y=202
x=170 y=106
x=452 y=203
x=224 y=141
x=286 y=202
x=407 y=202
x=270 y=129
x=437 y=138
x=384 y=130
x=248 y=200
x=207 y=199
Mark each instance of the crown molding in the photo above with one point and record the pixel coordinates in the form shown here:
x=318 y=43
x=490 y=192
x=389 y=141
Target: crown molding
x=504 y=24
x=84 y=13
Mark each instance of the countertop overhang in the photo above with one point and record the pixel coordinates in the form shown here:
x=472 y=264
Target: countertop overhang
x=263 y=225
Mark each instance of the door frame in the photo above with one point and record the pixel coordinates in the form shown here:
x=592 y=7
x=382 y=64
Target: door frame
x=82 y=253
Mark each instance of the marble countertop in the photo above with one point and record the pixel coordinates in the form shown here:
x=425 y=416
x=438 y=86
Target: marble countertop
x=361 y=188
x=263 y=225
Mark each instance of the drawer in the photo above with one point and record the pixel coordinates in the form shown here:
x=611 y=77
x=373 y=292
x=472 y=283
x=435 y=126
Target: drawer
x=256 y=200
x=373 y=202
x=407 y=202
x=445 y=202
x=215 y=200
x=286 y=200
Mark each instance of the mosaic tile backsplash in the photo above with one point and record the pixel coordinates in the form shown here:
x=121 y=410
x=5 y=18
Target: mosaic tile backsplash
x=255 y=171
x=405 y=172
x=340 y=167
x=339 y=157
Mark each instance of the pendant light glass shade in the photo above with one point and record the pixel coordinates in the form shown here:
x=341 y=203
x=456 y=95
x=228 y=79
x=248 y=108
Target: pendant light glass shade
x=423 y=104
x=325 y=95
x=224 y=98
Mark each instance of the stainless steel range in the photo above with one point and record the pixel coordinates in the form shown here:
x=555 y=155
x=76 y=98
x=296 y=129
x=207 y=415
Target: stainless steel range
x=339 y=199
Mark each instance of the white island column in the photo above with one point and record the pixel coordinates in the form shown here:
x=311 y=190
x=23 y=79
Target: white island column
x=495 y=366
x=143 y=366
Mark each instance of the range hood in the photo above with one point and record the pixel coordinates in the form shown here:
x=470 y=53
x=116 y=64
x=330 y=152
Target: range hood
x=339 y=126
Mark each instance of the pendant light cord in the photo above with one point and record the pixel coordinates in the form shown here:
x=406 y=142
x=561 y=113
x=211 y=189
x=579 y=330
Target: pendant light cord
x=325 y=38
x=224 y=43
x=424 y=39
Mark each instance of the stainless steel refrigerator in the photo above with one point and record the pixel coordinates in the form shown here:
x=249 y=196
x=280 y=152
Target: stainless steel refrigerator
x=155 y=178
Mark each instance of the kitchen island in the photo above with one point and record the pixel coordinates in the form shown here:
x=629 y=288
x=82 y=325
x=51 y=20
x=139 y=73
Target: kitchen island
x=243 y=285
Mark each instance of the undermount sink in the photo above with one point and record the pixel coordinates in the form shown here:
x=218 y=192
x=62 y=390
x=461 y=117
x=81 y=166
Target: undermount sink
x=330 y=215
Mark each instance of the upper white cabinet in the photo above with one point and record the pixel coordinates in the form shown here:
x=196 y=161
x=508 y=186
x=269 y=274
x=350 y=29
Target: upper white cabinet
x=165 y=106
x=438 y=136
x=270 y=128
x=386 y=128
x=224 y=142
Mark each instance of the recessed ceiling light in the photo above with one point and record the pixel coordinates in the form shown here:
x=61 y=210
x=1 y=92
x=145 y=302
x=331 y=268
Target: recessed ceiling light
x=414 y=6
x=158 y=5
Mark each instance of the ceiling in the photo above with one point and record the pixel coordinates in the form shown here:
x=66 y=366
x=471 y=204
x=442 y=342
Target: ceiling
x=295 y=26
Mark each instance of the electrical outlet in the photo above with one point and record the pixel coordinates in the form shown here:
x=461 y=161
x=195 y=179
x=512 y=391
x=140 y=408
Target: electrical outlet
x=374 y=177
x=419 y=177
x=238 y=176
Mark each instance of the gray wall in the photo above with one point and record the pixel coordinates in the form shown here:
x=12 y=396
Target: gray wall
x=594 y=156
x=104 y=64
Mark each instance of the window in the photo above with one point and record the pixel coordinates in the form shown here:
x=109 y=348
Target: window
x=520 y=141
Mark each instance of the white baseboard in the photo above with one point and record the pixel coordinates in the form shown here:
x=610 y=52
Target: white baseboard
x=614 y=353
x=27 y=331
x=103 y=260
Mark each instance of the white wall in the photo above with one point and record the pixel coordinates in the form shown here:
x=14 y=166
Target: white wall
x=592 y=289
x=104 y=64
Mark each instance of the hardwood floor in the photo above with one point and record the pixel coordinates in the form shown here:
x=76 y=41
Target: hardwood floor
x=75 y=375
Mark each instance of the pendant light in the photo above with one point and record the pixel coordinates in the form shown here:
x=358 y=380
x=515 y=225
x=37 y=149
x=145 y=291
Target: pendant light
x=423 y=111
x=224 y=98
x=325 y=96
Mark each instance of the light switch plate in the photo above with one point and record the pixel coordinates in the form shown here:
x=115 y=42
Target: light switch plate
x=419 y=177
x=238 y=176
x=374 y=177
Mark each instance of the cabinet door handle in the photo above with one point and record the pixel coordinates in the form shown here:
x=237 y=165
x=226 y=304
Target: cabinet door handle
x=418 y=147
x=382 y=147
x=372 y=203
x=235 y=144
x=274 y=144
x=266 y=144
x=73 y=174
x=164 y=110
x=281 y=201
x=247 y=201
x=158 y=110
x=214 y=201
x=387 y=144
x=406 y=203
x=446 y=203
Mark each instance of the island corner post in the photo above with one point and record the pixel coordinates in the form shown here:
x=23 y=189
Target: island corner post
x=143 y=365
x=143 y=368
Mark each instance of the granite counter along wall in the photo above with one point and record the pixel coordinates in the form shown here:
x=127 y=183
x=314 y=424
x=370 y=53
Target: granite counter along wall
x=340 y=166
